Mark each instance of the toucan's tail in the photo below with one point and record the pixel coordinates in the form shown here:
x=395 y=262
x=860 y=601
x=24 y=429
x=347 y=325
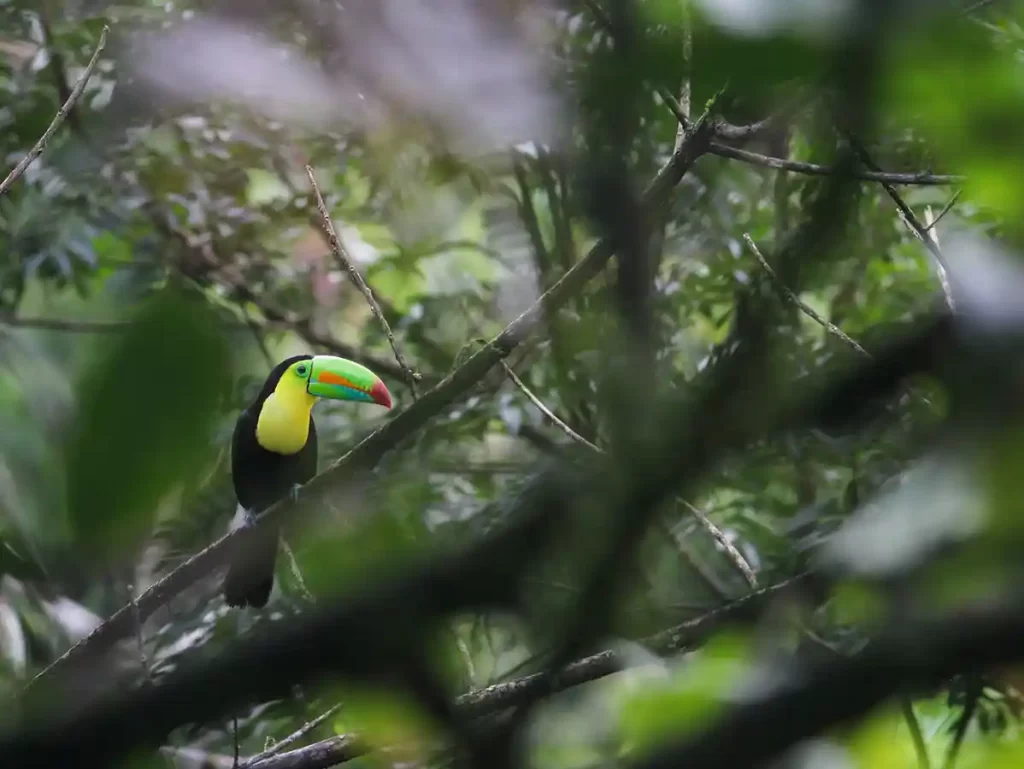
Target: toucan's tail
x=250 y=576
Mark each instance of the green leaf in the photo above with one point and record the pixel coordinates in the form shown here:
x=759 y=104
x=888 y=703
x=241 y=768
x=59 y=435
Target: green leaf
x=671 y=707
x=265 y=187
x=147 y=407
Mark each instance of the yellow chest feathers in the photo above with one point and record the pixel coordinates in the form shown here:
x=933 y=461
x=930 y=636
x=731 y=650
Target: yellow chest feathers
x=283 y=424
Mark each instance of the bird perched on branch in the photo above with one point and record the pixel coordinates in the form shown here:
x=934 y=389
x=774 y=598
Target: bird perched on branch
x=274 y=452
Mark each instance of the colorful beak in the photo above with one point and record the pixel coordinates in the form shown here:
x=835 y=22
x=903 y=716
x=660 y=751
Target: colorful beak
x=345 y=380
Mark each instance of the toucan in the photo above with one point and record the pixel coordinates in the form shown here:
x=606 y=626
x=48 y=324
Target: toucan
x=273 y=452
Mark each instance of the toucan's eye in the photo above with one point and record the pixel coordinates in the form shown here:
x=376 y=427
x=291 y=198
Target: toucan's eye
x=301 y=370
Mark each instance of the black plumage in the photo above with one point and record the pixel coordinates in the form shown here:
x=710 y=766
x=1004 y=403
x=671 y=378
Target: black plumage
x=261 y=478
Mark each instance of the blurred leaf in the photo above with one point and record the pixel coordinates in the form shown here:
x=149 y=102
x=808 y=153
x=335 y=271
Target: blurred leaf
x=934 y=82
x=883 y=743
x=690 y=697
x=387 y=719
x=265 y=187
x=13 y=646
x=146 y=410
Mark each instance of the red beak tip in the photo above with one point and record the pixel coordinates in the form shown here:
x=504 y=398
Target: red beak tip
x=381 y=395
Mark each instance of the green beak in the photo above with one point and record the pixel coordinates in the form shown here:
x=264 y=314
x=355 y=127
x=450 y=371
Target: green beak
x=345 y=380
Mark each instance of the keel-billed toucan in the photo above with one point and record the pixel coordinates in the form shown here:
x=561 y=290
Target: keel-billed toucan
x=273 y=452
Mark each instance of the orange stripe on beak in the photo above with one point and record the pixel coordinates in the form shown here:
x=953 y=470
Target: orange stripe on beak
x=329 y=377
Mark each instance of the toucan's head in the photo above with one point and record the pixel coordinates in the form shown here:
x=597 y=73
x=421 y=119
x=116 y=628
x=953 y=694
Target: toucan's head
x=328 y=376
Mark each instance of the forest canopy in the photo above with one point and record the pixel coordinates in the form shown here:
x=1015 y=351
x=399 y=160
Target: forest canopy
x=699 y=327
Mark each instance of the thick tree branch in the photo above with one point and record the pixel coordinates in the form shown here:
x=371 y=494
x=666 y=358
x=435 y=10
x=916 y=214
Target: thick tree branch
x=58 y=119
x=492 y=699
x=903 y=660
x=368 y=452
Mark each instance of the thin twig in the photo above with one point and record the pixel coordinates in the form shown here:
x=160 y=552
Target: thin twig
x=945 y=210
x=907 y=706
x=923 y=178
x=59 y=119
x=913 y=223
x=291 y=739
x=343 y=259
x=546 y=411
x=732 y=552
x=294 y=566
x=813 y=169
x=832 y=328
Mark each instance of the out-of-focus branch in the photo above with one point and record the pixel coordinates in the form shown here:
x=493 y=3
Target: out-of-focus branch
x=491 y=699
x=278 y=747
x=58 y=119
x=903 y=659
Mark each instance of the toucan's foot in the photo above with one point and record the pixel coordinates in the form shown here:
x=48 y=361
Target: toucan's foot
x=242 y=519
x=296 y=488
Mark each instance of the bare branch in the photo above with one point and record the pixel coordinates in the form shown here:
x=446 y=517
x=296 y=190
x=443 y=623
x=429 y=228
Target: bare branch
x=58 y=120
x=291 y=739
x=343 y=259
x=730 y=549
x=832 y=328
x=813 y=169
x=913 y=223
x=546 y=411
x=945 y=210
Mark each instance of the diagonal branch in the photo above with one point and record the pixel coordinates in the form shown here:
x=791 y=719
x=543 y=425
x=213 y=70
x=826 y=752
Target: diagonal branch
x=904 y=658
x=291 y=739
x=370 y=450
x=913 y=223
x=58 y=119
x=813 y=169
x=343 y=259
x=832 y=328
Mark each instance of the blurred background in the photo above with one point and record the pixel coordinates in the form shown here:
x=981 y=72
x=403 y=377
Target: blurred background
x=165 y=251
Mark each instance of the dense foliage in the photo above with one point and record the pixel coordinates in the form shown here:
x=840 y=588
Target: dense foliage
x=853 y=188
